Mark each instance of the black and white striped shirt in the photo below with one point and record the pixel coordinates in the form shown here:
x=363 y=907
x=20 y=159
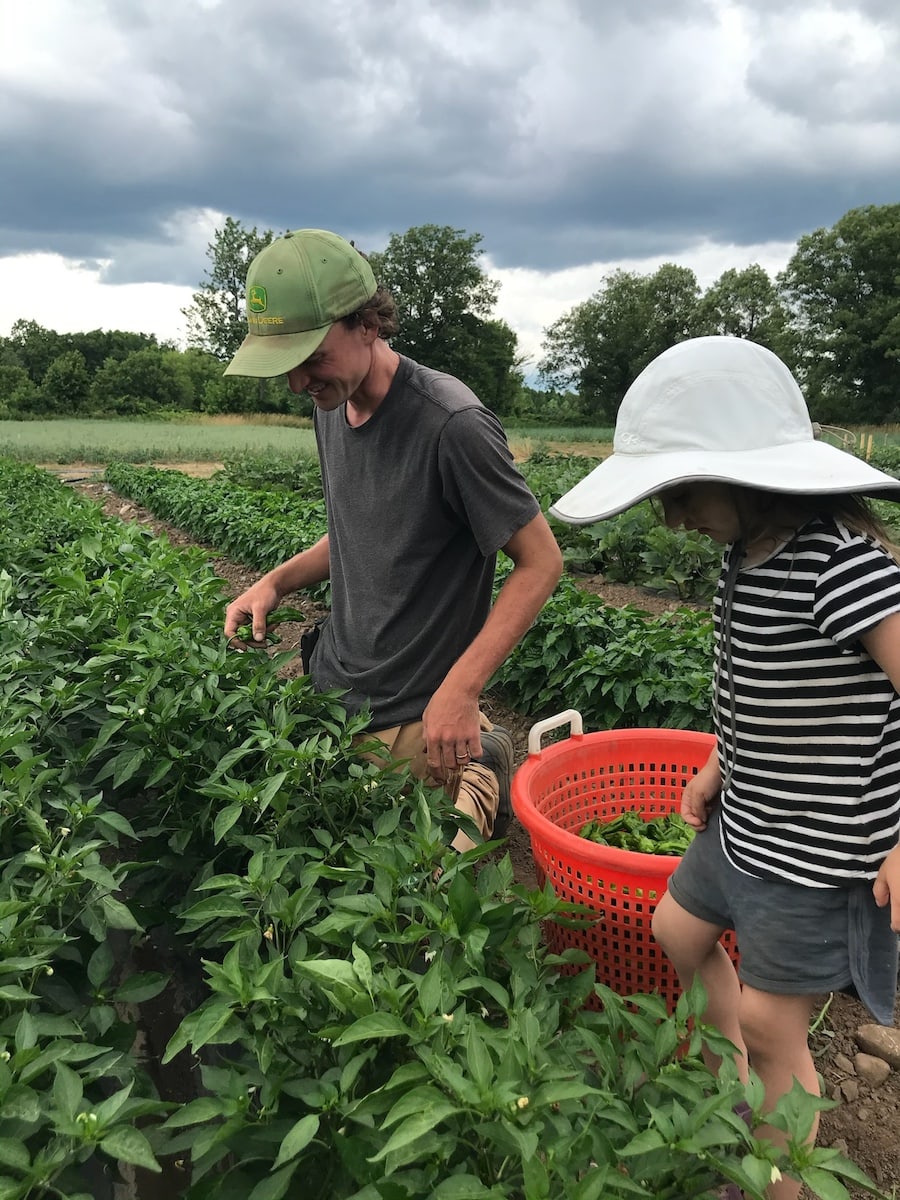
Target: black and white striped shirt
x=810 y=726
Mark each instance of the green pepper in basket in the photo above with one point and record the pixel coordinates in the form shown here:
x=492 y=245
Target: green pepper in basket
x=669 y=834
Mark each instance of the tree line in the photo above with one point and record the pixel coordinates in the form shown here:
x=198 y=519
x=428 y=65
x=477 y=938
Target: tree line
x=833 y=314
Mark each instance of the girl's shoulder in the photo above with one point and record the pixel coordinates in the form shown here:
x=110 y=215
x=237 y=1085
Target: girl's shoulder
x=828 y=530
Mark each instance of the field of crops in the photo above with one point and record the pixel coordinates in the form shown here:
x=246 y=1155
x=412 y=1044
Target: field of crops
x=356 y=1011
x=98 y=441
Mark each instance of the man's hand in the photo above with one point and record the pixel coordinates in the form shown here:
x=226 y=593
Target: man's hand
x=452 y=731
x=251 y=608
x=886 y=887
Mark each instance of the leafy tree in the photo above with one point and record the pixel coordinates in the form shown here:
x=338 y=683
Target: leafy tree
x=17 y=392
x=33 y=347
x=842 y=288
x=216 y=321
x=445 y=300
x=601 y=345
x=213 y=392
x=144 y=381
x=97 y=345
x=745 y=304
x=66 y=385
x=485 y=359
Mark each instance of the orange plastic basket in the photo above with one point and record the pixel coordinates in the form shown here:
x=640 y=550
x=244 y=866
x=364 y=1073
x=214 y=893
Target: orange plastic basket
x=598 y=776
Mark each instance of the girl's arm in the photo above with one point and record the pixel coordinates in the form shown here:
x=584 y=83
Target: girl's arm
x=883 y=645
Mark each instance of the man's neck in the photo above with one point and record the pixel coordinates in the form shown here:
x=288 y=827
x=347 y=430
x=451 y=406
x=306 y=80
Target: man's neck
x=376 y=385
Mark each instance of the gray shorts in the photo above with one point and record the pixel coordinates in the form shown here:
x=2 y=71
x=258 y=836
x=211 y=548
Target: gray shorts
x=793 y=940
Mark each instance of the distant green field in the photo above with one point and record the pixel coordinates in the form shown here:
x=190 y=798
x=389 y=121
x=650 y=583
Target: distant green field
x=587 y=434
x=98 y=441
x=146 y=441
x=214 y=440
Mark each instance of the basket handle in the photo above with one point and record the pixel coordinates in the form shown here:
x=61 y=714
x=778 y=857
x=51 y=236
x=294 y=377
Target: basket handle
x=571 y=716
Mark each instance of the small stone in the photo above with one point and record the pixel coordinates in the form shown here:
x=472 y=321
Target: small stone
x=880 y=1041
x=843 y=1063
x=849 y=1090
x=863 y=1114
x=871 y=1069
x=841 y=1146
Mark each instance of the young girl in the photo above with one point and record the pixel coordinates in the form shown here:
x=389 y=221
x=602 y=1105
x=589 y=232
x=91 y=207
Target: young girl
x=797 y=811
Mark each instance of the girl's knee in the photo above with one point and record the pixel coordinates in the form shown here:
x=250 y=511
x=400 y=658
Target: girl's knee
x=775 y=1026
x=679 y=932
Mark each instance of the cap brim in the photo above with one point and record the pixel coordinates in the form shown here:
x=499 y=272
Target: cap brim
x=263 y=356
x=623 y=480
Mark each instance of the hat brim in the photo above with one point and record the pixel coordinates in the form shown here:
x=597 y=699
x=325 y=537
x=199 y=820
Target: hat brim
x=813 y=467
x=263 y=356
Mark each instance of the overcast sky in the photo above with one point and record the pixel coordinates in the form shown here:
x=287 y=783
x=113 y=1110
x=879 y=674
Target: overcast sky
x=576 y=136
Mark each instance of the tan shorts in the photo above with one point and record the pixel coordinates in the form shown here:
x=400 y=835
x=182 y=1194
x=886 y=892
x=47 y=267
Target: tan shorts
x=473 y=788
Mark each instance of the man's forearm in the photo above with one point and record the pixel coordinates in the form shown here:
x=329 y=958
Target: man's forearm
x=308 y=567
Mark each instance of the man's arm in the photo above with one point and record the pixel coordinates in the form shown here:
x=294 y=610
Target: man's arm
x=451 y=718
x=253 y=606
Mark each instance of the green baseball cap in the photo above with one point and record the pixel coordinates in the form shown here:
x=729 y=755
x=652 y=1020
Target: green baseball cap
x=297 y=287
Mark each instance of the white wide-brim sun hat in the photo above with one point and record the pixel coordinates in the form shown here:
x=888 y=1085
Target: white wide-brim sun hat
x=715 y=408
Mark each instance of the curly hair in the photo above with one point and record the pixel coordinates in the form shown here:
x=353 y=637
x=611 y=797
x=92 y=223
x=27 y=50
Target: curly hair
x=379 y=311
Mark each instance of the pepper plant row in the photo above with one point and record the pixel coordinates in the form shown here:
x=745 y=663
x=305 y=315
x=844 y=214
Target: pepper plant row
x=260 y=527
x=377 y=1017
x=616 y=666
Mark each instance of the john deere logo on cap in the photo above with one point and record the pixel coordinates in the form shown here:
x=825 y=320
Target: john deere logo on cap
x=257 y=299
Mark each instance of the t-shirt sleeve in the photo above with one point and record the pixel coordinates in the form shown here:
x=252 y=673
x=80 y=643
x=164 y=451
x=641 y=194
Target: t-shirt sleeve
x=857 y=589
x=481 y=481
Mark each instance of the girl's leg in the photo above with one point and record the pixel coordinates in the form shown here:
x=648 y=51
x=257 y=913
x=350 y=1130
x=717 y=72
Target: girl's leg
x=776 y=1033
x=693 y=947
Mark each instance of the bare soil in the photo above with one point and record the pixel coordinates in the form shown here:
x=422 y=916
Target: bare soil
x=865 y=1122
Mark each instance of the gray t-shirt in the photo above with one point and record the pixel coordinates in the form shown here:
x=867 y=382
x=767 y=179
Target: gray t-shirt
x=420 y=498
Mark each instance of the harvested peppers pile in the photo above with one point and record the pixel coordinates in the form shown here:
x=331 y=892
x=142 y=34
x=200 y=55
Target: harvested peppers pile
x=669 y=834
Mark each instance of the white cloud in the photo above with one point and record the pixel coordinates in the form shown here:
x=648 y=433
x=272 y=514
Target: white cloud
x=530 y=301
x=71 y=297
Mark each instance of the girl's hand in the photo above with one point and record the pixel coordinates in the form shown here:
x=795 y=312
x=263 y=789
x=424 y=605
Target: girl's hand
x=886 y=887
x=701 y=793
x=697 y=802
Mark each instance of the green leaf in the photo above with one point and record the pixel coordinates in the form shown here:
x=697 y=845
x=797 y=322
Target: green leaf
x=15 y=994
x=225 y=820
x=209 y=1021
x=138 y=988
x=100 y=964
x=118 y=915
x=371 y=1028
x=115 y=821
x=478 y=1059
x=67 y=1090
x=26 y=1032
x=415 y=1126
x=462 y=1187
x=14 y=1153
x=128 y=1144
x=276 y=1186
x=196 y=1112
x=297 y=1139
x=643 y=1143
x=824 y=1184
x=464 y=904
x=107 y=1110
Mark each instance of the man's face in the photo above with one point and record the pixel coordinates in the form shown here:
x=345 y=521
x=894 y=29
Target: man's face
x=337 y=369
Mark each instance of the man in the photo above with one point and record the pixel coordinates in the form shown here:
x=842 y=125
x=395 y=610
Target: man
x=421 y=492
